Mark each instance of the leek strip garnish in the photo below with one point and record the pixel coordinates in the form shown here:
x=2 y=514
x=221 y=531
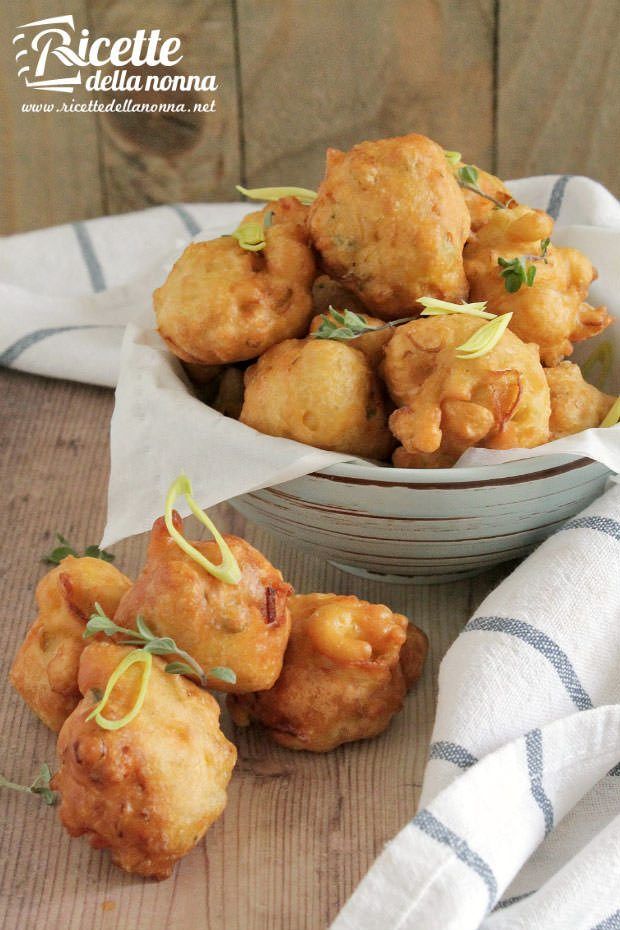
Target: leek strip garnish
x=601 y=358
x=302 y=194
x=484 y=339
x=434 y=307
x=250 y=236
x=136 y=655
x=613 y=415
x=228 y=570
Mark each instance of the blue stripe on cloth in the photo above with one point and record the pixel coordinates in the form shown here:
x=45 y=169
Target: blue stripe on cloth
x=186 y=218
x=610 y=923
x=600 y=524
x=434 y=828
x=543 y=644
x=89 y=255
x=508 y=902
x=452 y=752
x=557 y=196
x=534 y=754
x=13 y=351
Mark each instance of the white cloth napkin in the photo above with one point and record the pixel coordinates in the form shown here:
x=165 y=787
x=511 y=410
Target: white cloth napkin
x=519 y=826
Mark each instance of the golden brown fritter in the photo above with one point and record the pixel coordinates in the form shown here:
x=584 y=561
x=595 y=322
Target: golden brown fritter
x=45 y=669
x=447 y=404
x=575 y=404
x=346 y=672
x=369 y=344
x=552 y=312
x=222 y=303
x=148 y=791
x=390 y=222
x=319 y=392
x=243 y=626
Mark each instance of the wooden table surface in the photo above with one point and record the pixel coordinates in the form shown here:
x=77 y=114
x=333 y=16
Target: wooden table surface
x=299 y=830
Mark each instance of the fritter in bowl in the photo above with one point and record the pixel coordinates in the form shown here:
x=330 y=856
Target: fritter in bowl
x=390 y=222
x=346 y=673
x=575 y=404
x=222 y=303
x=319 y=392
x=552 y=312
x=447 y=404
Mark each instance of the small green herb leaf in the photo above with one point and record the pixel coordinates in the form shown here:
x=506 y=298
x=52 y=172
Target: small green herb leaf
x=40 y=786
x=544 y=247
x=468 y=174
x=65 y=548
x=223 y=673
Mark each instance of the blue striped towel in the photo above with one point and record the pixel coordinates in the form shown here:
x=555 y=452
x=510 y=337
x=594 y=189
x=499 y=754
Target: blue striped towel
x=519 y=826
x=66 y=293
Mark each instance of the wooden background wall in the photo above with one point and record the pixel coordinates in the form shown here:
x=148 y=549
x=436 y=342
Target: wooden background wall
x=522 y=86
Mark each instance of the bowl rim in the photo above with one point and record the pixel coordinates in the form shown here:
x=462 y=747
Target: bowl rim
x=536 y=467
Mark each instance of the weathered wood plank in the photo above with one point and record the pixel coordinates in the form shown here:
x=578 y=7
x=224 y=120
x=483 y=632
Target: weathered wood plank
x=335 y=72
x=49 y=162
x=558 y=102
x=299 y=830
x=168 y=157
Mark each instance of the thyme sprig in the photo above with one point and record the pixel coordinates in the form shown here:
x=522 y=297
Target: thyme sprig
x=40 y=786
x=521 y=269
x=467 y=176
x=145 y=639
x=65 y=548
x=349 y=325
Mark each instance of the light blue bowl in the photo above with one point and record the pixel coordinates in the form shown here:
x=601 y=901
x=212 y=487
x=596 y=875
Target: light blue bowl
x=425 y=526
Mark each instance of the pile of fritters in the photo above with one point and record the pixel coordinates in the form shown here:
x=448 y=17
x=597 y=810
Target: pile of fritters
x=393 y=222
x=316 y=671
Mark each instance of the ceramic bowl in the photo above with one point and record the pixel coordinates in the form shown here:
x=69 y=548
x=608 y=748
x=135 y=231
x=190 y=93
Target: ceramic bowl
x=426 y=526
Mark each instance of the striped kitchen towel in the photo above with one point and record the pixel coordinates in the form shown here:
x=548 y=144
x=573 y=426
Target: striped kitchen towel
x=519 y=826
x=66 y=293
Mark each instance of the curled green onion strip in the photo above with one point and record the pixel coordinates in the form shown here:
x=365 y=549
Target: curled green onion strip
x=133 y=657
x=250 y=236
x=434 y=307
x=453 y=158
x=485 y=338
x=228 y=570
x=613 y=414
x=302 y=194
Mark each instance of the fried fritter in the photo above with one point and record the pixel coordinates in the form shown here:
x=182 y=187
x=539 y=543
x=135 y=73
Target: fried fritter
x=575 y=404
x=45 y=669
x=242 y=626
x=148 y=791
x=369 y=344
x=552 y=312
x=447 y=404
x=346 y=672
x=319 y=392
x=390 y=222
x=222 y=303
